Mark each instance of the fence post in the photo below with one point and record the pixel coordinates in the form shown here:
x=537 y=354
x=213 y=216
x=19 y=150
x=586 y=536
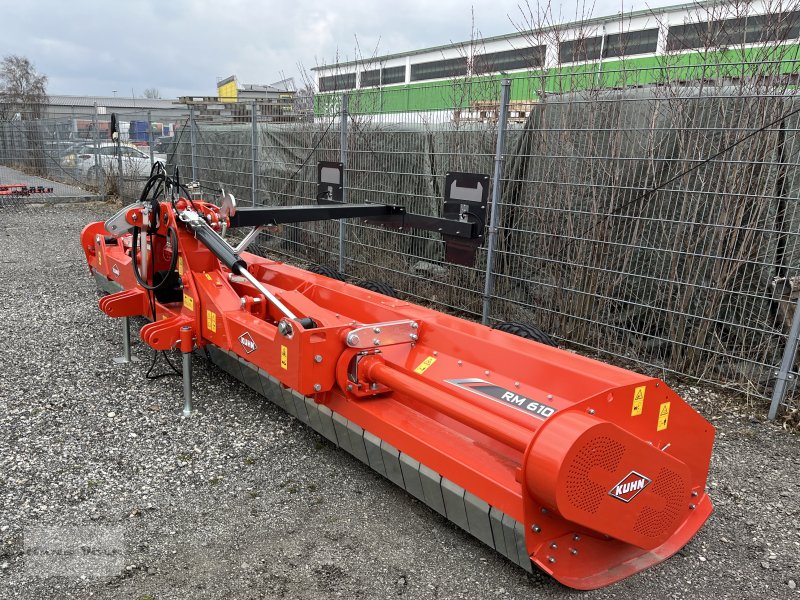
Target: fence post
x=784 y=374
x=343 y=160
x=150 y=135
x=496 y=193
x=254 y=144
x=101 y=185
x=192 y=141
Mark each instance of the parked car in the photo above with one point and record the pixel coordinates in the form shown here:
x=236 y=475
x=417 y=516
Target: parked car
x=90 y=161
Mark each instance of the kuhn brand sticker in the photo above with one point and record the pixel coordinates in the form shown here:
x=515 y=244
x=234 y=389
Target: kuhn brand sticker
x=115 y=270
x=247 y=342
x=630 y=486
x=504 y=396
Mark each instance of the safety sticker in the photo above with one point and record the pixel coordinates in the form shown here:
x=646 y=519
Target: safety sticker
x=284 y=358
x=638 y=401
x=208 y=276
x=188 y=302
x=663 y=416
x=211 y=321
x=424 y=365
x=180 y=266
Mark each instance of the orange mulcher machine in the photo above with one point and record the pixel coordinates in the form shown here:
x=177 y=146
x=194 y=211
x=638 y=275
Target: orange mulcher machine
x=588 y=471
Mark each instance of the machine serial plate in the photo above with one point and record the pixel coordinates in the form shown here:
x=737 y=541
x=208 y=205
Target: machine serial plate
x=504 y=396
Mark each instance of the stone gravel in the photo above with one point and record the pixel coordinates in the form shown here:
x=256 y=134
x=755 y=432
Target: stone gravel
x=243 y=501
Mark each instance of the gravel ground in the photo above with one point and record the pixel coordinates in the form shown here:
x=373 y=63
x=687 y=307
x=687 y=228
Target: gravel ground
x=242 y=501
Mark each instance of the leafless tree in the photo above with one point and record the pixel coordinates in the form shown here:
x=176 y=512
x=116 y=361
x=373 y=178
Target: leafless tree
x=22 y=89
x=152 y=93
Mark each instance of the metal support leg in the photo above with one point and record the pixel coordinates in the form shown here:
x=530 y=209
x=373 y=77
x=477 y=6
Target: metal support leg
x=784 y=375
x=186 y=349
x=187 y=384
x=126 y=344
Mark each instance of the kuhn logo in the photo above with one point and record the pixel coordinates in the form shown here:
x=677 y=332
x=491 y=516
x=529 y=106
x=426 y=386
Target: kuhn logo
x=115 y=270
x=247 y=342
x=627 y=489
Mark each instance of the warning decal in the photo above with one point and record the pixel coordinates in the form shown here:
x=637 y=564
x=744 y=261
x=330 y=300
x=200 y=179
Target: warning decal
x=424 y=365
x=638 y=401
x=180 y=266
x=284 y=358
x=663 y=416
x=211 y=321
x=188 y=302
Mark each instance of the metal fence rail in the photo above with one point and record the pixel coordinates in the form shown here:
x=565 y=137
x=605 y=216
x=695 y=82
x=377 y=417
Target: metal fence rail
x=699 y=277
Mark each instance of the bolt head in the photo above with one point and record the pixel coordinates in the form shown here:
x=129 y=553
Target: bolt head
x=551 y=559
x=317 y=387
x=535 y=528
x=692 y=506
x=318 y=358
x=414 y=337
x=414 y=325
x=376 y=342
x=573 y=551
x=353 y=339
x=554 y=546
x=349 y=387
x=590 y=411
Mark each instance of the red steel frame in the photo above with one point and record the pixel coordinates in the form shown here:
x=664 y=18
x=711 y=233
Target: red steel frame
x=571 y=478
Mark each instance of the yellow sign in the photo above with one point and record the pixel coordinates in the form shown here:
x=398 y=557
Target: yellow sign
x=663 y=416
x=284 y=358
x=211 y=321
x=424 y=365
x=180 y=266
x=638 y=401
x=188 y=302
x=208 y=276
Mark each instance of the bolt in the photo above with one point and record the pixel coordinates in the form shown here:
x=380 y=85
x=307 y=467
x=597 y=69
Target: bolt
x=549 y=396
x=349 y=387
x=414 y=337
x=551 y=559
x=285 y=328
x=134 y=217
x=318 y=358
x=436 y=353
x=590 y=411
x=376 y=342
x=544 y=510
x=376 y=329
x=516 y=384
x=692 y=507
x=554 y=546
x=695 y=494
x=352 y=340
x=535 y=528
x=573 y=551
x=373 y=386
x=461 y=362
x=414 y=325
x=242 y=302
x=317 y=387
x=576 y=537
x=486 y=373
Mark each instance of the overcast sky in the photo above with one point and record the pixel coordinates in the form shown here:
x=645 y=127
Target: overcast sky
x=182 y=47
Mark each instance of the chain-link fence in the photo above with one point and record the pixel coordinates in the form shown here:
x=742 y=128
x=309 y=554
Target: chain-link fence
x=645 y=215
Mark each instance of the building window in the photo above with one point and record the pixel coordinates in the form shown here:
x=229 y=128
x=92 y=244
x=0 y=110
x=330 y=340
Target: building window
x=531 y=57
x=370 y=78
x=580 y=50
x=631 y=43
x=439 y=69
x=393 y=75
x=735 y=32
x=346 y=81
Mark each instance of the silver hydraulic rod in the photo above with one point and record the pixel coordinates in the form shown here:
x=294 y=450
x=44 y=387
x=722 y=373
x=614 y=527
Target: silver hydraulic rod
x=248 y=239
x=269 y=295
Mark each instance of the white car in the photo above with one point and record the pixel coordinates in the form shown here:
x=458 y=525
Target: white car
x=104 y=158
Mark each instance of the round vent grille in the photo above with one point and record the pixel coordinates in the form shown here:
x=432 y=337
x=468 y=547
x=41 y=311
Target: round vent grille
x=601 y=452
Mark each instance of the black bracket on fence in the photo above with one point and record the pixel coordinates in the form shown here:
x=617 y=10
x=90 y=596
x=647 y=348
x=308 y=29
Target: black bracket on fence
x=461 y=225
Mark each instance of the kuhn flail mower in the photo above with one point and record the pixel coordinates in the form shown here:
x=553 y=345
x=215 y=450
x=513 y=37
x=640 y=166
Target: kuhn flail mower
x=589 y=471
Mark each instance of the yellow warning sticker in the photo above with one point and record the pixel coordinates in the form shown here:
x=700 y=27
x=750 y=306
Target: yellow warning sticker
x=188 y=302
x=638 y=401
x=180 y=266
x=425 y=365
x=100 y=258
x=211 y=321
x=284 y=357
x=208 y=276
x=663 y=416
